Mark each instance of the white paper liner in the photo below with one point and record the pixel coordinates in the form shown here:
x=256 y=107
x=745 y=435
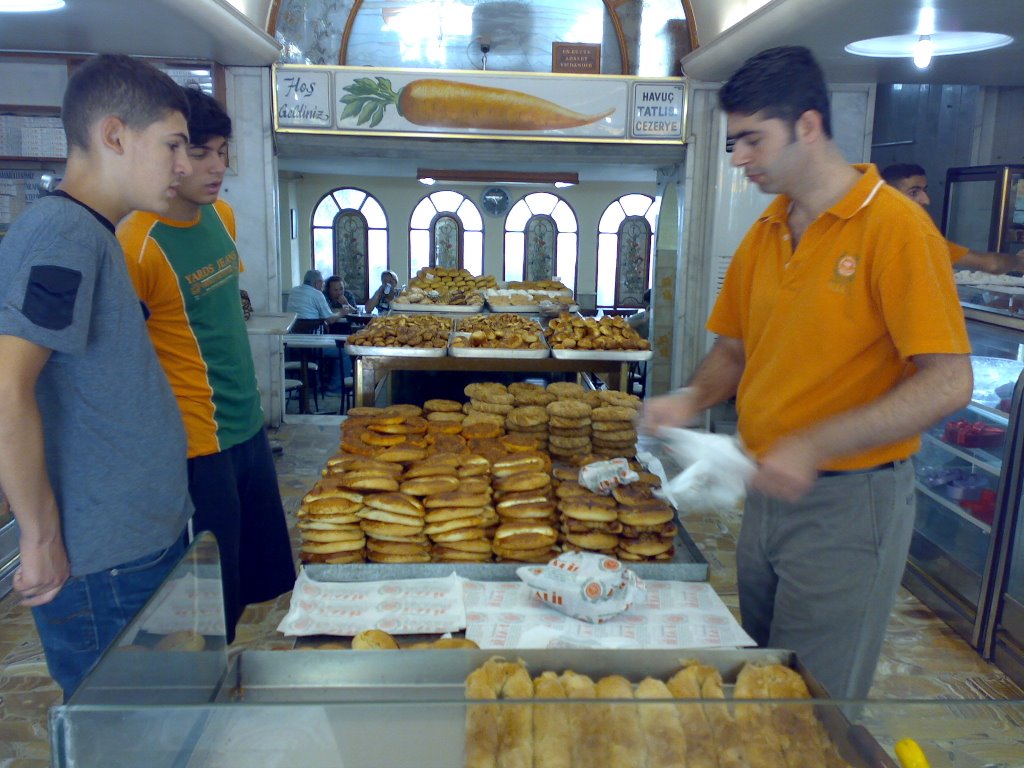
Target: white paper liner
x=399 y=607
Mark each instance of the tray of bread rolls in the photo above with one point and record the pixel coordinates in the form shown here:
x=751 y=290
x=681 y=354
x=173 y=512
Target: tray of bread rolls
x=482 y=486
x=567 y=707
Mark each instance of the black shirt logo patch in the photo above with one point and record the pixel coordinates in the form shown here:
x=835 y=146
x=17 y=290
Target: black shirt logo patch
x=50 y=296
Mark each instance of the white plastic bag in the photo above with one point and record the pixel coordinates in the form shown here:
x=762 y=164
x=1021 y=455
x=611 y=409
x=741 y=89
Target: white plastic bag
x=715 y=473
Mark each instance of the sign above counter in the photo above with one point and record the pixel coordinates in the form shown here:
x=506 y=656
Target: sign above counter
x=491 y=105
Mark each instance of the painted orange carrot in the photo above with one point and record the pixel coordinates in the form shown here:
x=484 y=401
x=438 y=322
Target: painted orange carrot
x=450 y=104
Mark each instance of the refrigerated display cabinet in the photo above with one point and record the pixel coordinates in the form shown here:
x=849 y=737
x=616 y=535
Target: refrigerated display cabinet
x=965 y=484
x=983 y=208
x=168 y=693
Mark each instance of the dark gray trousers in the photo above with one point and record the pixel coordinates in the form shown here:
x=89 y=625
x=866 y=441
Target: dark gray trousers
x=820 y=576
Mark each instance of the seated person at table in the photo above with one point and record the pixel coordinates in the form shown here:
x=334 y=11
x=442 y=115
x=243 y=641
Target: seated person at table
x=308 y=303
x=385 y=294
x=338 y=298
x=641 y=321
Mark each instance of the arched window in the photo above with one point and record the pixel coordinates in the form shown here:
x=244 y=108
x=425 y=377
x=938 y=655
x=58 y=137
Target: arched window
x=350 y=238
x=541 y=240
x=625 y=251
x=446 y=230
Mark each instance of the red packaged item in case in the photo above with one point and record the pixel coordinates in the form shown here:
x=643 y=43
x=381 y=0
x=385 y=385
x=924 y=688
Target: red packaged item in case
x=984 y=508
x=973 y=434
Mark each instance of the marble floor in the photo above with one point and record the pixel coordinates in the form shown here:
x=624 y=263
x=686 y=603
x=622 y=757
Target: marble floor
x=922 y=657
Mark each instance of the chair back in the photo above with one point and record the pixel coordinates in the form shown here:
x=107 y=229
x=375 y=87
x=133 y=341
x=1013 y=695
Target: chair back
x=309 y=326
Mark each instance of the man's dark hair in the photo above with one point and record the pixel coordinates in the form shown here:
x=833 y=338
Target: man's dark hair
x=111 y=84
x=207 y=118
x=900 y=171
x=781 y=83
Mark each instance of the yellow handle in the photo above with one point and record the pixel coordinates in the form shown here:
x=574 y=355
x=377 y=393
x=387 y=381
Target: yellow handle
x=910 y=754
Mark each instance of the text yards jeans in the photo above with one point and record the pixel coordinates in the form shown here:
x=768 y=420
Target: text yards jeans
x=76 y=627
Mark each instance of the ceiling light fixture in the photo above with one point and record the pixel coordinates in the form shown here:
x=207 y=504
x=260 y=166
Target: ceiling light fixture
x=559 y=179
x=923 y=52
x=29 y=6
x=917 y=45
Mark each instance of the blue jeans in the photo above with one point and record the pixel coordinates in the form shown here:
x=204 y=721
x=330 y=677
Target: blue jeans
x=88 y=613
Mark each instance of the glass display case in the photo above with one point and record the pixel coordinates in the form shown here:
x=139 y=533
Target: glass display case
x=168 y=694
x=984 y=208
x=8 y=546
x=965 y=484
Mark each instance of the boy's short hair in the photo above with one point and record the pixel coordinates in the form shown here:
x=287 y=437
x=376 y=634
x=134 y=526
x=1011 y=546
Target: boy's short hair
x=207 y=118
x=112 y=84
x=900 y=171
x=782 y=83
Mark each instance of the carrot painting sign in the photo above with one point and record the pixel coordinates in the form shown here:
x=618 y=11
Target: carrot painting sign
x=478 y=104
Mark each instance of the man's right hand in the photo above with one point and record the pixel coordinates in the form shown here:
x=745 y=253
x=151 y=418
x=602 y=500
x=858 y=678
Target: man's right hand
x=42 y=573
x=677 y=409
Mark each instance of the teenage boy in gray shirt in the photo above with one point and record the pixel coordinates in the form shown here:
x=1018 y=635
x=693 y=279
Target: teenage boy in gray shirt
x=92 y=447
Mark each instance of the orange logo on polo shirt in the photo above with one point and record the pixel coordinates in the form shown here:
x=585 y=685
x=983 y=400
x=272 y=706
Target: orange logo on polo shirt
x=845 y=270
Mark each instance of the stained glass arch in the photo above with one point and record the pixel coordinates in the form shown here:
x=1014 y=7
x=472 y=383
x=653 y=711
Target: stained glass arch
x=446 y=230
x=625 y=251
x=541 y=240
x=349 y=237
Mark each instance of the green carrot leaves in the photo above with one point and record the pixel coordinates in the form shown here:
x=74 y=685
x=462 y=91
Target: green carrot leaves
x=368 y=100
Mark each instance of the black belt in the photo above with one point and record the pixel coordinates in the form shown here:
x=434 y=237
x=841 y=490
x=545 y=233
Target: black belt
x=840 y=472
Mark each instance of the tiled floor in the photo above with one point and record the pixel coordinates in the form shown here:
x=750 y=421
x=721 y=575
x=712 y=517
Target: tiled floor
x=922 y=656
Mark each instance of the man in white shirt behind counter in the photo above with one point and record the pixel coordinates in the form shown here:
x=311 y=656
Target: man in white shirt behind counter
x=307 y=300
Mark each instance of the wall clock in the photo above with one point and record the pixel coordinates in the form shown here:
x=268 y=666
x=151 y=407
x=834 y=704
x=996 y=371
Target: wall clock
x=495 y=201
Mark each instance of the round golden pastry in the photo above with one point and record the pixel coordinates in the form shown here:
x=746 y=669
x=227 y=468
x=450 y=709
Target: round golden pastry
x=412 y=522
x=493 y=395
x=633 y=495
x=565 y=389
x=344 y=500
x=374 y=640
x=368 y=481
x=443 y=554
x=405 y=410
x=382 y=557
x=456 y=499
x=614 y=445
x=466 y=406
x=613 y=413
x=473 y=416
x=444 y=406
x=646 y=515
x=572 y=525
x=526 y=510
x=525 y=534
x=402 y=454
x=519 y=387
x=475 y=546
x=565 y=473
x=474 y=427
x=399 y=503
x=444 y=514
x=649 y=478
x=527 y=416
x=396 y=547
x=182 y=640
x=594 y=541
x=594 y=508
x=476 y=485
x=431 y=484
x=522 y=443
x=569 y=490
x=320 y=547
x=365 y=464
x=447 y=443
x=472 y=460
x=376 y=438
x=558 y=441
x=522 y=481
x=429 y=468
x=459 y=535
x=523 y=461
x=488 y=447
x=359 y=411
x=592 y=397
x=484 y=406
x=404 y=532
x=534 y=398
x=333 y=558
x=446 y=526
x=664 y=531
x=352 y=532
x=443 y=643
x=413 y=425
x=443 y=427
x=408 y=538
x=568 y=409
x=446 y=416
x=384 y=417
x=612 y=426
x=538 y=430
x=646 y=545
x=615 y=397
x=539 y=555
x=569 y=431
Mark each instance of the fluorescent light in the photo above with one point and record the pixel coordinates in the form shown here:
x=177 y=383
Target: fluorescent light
x=29 y=6
x=923 y=52
x=942 y=44
x=559 y=179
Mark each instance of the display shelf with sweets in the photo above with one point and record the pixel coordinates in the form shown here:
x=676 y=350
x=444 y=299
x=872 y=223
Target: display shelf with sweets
x=461 y=344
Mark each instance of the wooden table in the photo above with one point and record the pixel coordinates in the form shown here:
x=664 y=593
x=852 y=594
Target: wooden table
x=371 y=370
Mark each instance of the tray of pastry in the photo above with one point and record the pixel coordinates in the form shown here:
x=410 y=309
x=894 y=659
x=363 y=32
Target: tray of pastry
x=753 y=706
x=423 y=335
x=627 y=355
x=457 y=309
x=357 y=349
x=461 y=345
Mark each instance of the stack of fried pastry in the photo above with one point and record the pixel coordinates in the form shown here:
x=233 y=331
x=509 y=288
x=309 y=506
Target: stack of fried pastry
x=488 y=401
x=588 y=521
x=528 y=393
x=456 y=492
x=394 y=526
x=398 y=433
x=527 y=426
x=329 y=526
x=680 y=723
x=648 y=529
x=614 y=425
x=569 y=427
x=522 y=491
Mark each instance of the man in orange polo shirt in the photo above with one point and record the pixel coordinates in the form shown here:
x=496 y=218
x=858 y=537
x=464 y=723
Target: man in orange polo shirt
x=840 y=335
x=911 y=180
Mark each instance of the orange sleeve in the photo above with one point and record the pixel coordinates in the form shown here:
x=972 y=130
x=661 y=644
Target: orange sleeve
x=956 y=252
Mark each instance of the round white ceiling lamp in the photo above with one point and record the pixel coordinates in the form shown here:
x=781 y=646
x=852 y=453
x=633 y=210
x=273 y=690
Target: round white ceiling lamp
x=927 y=41
x=29 y=6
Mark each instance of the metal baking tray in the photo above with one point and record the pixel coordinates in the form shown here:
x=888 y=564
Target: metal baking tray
x=356 y=349
x=628 y=355
x=421 y=694
x=461 y=309
x=688 y=564
x=503 y=353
